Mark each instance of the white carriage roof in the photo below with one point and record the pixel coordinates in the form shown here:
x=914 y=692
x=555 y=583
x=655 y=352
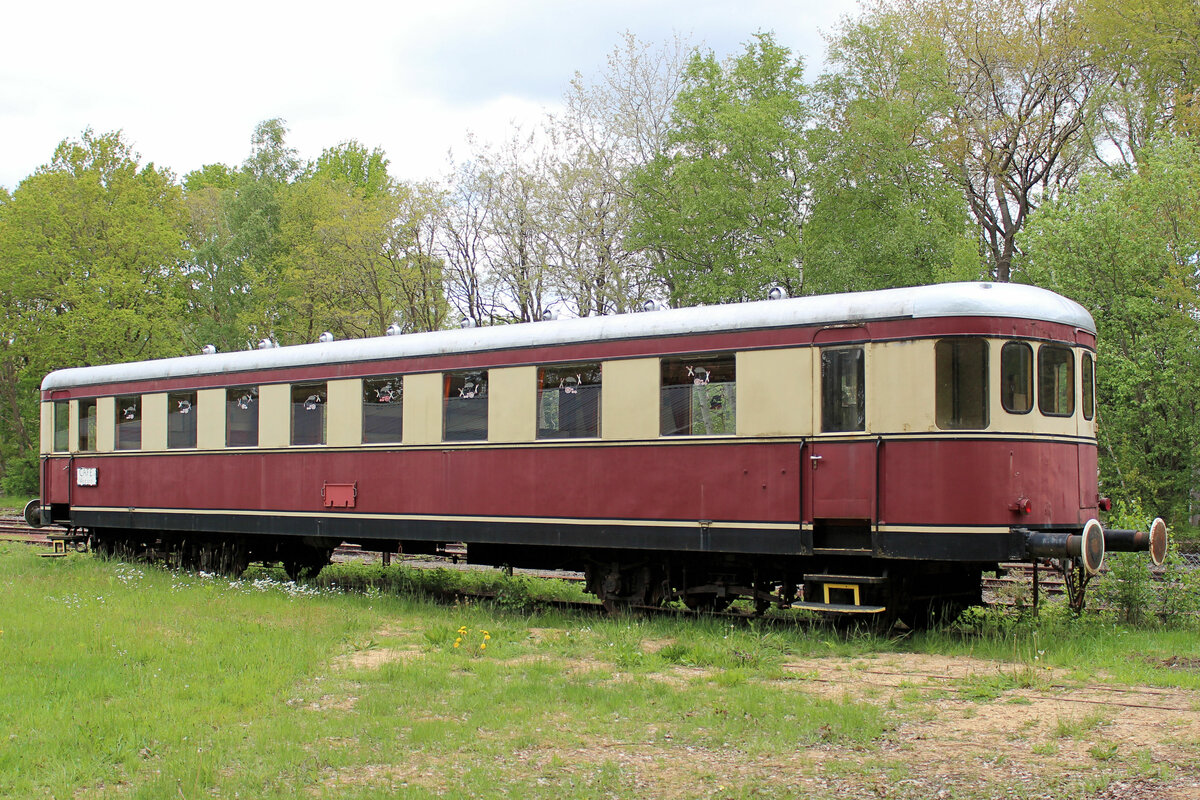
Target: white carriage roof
x=941 y=300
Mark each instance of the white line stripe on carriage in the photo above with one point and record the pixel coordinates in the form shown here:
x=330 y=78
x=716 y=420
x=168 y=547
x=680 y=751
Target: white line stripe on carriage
x=789 y=527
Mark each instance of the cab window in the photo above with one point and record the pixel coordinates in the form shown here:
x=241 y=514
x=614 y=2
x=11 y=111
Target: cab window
x=62 y=423
x=87 y=425
x=962 y=384
x=1088 y=376
x=1016 y=377
x=1056 y=381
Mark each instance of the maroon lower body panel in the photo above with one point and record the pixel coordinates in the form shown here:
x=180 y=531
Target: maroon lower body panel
x=910 y=482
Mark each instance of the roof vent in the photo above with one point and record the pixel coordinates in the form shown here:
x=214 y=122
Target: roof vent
x=268 y=344
x=394 y=330
x=467 y=323
x=777 y=293
x=208 y=350
x=325 y=338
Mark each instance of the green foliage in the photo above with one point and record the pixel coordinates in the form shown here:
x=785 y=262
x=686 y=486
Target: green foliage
x=90 y=253
x=722 y=206
x=22 y=475
x=352 y=164
x=1126 y=247
x=883 y=213
x=1150 y=53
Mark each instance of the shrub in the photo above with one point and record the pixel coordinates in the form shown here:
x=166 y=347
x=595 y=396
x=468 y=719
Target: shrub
x=21 y=475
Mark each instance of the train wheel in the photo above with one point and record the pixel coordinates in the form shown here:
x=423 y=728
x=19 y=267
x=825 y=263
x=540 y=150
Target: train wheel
x=305 y=561
x=708 y=602
x=622 y=587
x=102 y=545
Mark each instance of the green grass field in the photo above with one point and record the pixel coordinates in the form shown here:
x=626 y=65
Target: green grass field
x=128 y=681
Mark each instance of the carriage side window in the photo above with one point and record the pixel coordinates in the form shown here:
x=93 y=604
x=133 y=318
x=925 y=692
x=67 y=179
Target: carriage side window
x=1016 y=377
x=87 y=425
x=843 y=390
x=699 y=396
x=383 y=409
x=241 y=416
x=1088 y=374
x=465 y=417
x=181 y=420
x=962 y=384
x=569 y=402
x=62 y=423
x=308 y=413
x=1056 y=381
x=129 y=422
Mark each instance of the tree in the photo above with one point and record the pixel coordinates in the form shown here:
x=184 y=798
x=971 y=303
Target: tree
x=1019 y=80
x=1148 y=52
x=354 y=165
x=611 y=127
x=462 y=234
x=1128 y=248
x=352 y=260
x=882 y=213
x=91 y=248
x=519 y=247
x=722 y=207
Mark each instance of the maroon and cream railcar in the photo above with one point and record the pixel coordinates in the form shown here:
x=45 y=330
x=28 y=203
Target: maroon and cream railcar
x=863 y=451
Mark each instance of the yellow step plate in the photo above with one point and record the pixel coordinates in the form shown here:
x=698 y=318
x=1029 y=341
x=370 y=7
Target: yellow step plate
x=840 y=608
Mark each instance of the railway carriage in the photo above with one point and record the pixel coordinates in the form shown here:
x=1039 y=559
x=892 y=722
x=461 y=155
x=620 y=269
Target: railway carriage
x=867 y=453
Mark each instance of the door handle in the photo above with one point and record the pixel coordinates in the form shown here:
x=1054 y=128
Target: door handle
x=814 y=459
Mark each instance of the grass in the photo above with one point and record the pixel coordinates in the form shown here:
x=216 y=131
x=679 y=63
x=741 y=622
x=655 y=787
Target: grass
x=13 y=505
x=134 y=682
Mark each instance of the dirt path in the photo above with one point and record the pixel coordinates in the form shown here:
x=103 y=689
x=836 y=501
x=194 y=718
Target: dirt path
x=972 y=725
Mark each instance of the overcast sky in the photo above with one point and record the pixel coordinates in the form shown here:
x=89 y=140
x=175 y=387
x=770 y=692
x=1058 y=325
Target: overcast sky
x=188 y=82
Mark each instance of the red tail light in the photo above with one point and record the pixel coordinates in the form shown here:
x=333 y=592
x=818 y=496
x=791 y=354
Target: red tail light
x=1023 y=506
x=1105 y=504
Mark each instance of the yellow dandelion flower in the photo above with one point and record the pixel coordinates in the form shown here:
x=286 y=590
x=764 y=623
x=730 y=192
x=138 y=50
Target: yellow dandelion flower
x=487 y=637
x=483 y=645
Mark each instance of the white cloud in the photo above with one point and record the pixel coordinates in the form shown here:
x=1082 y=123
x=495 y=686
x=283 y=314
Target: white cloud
x=188 y=84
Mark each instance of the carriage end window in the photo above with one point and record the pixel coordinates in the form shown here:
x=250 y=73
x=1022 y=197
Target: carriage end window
x=466 y=406
x=843 y=390
x=181 y=420
x=308 y=413
x=62 y=422
x=87 y=425
x=1088 y=370
x=241 y=416
x=1056 y=381
x=569 y=402
x=129 y=422
x=962 y=384
x=383 y=409
x=1016 y=376
x=699 y=395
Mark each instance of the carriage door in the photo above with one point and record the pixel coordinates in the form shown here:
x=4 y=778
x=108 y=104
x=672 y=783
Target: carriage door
x=841 y=470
